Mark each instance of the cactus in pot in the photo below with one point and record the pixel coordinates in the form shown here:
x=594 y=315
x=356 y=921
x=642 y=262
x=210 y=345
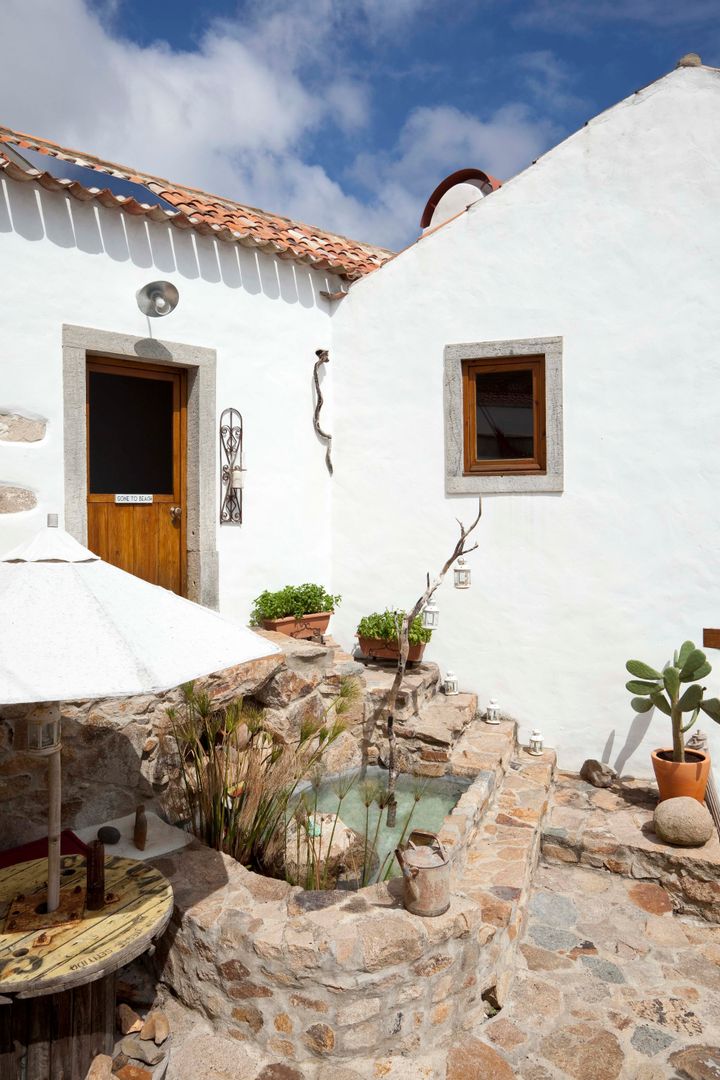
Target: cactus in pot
x=677 y=692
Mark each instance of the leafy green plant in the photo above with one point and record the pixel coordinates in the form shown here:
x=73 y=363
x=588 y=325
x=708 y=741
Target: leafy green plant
x=666 y=691
x=293 y=600
x=384 y=625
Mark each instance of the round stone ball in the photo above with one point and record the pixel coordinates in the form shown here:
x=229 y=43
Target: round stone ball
x=108 y=834
x=684 y=822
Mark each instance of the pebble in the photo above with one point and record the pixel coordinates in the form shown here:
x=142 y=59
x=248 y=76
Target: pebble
x=108 y=834
x=141 y=1050
x=127 y=1019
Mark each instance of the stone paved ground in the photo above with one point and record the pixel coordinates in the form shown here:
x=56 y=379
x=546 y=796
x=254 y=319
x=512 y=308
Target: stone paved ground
x=611 y=985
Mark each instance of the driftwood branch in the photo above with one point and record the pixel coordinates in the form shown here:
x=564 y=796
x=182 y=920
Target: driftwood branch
x=323 y=357
x=403 y=634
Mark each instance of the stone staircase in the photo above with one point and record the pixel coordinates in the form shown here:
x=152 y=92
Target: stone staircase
x=428 y=724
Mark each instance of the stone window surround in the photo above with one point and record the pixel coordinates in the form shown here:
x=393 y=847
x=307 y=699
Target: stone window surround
x=456 y=482
x=81 y=342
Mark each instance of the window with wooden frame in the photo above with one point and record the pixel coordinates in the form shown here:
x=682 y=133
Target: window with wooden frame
x=504 y=415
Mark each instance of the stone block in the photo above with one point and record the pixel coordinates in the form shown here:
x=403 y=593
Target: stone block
x=15 y=500
x=17 y=428
x=392 y=939
x=320 y=1039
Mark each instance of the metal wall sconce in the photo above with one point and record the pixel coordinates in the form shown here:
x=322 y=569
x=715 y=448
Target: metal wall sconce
x=451 y=684
x=157 y=298
x=231 y=467
x=462 y=575
x=536 y=743
x=492 y=713
x=430 y=616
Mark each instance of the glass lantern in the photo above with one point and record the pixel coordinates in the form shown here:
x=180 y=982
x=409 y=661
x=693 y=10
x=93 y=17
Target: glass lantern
x=236 y=475
x=462 y=575
x=43 y=731
x=451 y=684
x=492 y=713
x=430 y=616
x=536 y=743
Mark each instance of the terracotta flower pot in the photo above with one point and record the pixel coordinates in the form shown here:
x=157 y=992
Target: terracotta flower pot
x=309 y=626
x=675 y=778
x=380 y=649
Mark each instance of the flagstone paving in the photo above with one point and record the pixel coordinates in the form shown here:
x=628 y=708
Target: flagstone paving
x=610 y=984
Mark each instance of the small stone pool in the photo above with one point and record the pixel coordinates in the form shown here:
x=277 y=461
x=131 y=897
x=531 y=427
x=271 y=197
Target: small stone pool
x=437 y=797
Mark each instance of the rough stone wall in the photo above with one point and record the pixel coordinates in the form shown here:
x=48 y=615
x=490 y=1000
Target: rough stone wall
x=118 y=752
x=311 y=975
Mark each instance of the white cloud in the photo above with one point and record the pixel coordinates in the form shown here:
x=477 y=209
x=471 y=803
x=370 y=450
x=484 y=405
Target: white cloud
x=238 y=115
x=549 y=80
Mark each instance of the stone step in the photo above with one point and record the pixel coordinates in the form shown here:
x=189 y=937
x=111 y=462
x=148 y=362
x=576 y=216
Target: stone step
x=440 y=721
x=496 y=872
x=611 y=829
x=420 y=684
x=484 y=747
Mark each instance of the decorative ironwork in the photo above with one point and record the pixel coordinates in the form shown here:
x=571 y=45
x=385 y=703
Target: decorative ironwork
x=322 y=358
x=231 y=467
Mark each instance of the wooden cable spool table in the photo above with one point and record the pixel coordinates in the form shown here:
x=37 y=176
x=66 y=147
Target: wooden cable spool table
x=57 y=971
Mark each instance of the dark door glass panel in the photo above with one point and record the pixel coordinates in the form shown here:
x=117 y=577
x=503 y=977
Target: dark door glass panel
x=93 y=178
x=504 y=402
x=131 y=435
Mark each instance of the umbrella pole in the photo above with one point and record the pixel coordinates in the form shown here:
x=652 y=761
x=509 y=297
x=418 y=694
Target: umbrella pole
x=54 y=825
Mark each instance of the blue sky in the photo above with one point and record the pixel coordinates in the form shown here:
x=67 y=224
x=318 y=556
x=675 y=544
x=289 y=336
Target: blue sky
x=343 y=113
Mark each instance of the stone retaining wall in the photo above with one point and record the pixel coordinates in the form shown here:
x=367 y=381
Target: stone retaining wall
x=310 y=975
x=120 y=752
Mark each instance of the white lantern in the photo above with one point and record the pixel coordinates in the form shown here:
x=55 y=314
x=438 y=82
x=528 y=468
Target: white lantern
x=451 y=684
x=462 y=575
x=536 y=743
x=492 y=713
x=430 y=616
x=236 y=475
x=43 y=730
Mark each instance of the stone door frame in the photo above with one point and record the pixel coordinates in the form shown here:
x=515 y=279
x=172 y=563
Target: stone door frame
x=81 y=342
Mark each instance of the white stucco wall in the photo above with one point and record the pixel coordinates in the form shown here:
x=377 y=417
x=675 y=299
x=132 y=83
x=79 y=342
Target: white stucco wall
x=66 y=262
x=611 y=241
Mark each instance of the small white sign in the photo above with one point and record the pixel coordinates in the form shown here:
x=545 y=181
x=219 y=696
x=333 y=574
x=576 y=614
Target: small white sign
x=134 y=499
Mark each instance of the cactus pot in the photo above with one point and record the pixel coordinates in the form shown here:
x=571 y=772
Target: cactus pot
x=308 y=626
x=676 y=778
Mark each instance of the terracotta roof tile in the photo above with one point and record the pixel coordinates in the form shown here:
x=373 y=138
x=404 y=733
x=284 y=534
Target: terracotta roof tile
x=195 y=209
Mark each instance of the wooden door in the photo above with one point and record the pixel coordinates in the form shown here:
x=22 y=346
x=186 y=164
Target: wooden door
x=136 y=438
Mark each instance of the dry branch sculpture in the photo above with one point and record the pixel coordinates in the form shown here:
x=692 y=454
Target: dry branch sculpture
x=459 y=550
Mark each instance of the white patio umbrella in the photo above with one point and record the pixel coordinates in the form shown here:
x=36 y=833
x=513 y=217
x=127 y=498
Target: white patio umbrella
x=76 y=627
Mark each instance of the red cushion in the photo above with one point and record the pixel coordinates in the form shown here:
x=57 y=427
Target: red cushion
x=70 y=844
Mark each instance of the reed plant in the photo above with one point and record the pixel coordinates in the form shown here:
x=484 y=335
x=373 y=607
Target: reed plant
x=239 y=776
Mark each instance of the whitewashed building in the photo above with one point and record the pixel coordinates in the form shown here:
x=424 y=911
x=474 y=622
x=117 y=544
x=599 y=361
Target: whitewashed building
x=552 y=346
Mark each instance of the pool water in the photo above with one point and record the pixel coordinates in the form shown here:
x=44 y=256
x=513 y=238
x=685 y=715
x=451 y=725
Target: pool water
x=437 y=798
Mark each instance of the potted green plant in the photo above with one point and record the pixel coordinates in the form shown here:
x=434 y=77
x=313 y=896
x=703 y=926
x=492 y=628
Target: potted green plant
x=676 y=692
x=301 y=611
x=378 y=636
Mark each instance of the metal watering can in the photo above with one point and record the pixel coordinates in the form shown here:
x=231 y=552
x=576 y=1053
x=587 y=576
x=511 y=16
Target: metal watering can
x=426 y=875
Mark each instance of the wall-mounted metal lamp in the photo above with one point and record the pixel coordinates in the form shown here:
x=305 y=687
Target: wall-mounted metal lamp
x=462 y=575
x=451 y=684
x=232 y=468
x=492 y=713
x=430 y=616
x=157 y=298
x=536 y=743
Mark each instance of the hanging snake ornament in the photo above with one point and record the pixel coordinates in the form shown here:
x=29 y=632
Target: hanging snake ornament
x=322 y=358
